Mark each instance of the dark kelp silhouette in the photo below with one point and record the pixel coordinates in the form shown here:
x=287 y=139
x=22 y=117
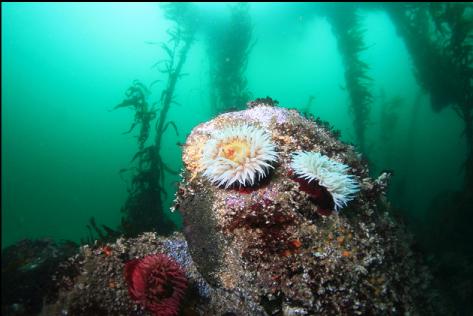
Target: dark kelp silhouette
x=143 y=209
x=389 y=116
x=409 y=157
x=308 y=107
x=101 y=235
x=439 y=37
x=350 y=38
x=136 y=96
x=387 y=122
x=229 y=42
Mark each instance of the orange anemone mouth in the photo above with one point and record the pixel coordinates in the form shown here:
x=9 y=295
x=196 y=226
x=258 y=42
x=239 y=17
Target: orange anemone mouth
x=237 y=150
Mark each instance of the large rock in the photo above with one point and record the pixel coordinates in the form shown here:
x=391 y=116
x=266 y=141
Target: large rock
x=281 y=248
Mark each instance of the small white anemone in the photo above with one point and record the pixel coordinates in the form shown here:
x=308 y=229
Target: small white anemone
x=238 y=154
x=329 y=173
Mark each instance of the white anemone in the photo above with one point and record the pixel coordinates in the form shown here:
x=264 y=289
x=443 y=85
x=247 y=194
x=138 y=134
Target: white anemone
x=329 y=173
x=239 y=154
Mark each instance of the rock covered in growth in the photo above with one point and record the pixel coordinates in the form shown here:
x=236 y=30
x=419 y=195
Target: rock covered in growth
x=156 y=282
x=278 y=242
x=94 y=281
x=26 y=273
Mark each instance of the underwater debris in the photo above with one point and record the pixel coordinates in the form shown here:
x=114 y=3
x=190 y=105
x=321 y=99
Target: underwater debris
x=239 y=154
x=156 y=282
x=328 y=173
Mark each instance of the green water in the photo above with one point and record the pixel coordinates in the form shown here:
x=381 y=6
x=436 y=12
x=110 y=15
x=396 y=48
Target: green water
x=65 y=66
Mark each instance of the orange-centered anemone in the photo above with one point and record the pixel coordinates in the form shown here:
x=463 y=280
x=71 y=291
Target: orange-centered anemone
x=239 y=154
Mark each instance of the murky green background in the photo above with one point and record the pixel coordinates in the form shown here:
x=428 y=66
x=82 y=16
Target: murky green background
x=64 y=66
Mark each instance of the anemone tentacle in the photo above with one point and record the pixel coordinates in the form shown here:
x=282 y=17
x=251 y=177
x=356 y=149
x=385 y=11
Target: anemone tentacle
x=240 y=154
x=331 y=174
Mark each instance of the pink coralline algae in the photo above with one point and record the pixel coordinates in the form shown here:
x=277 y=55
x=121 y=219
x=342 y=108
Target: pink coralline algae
x=157 y=283
x=234 y=202
x=263 y=114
